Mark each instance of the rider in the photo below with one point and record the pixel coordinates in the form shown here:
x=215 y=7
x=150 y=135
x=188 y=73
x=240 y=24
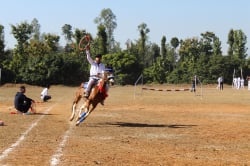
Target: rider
x=97 y=68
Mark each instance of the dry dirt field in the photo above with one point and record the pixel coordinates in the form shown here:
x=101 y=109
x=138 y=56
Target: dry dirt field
x=133 y=129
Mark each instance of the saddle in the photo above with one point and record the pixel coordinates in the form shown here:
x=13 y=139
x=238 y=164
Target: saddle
x=101 y=87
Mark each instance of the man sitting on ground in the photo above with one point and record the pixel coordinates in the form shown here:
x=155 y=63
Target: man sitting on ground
x=44 y=94
x=23 y=103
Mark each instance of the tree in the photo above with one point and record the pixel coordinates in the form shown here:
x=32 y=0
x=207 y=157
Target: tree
x=189 y=54
x=22 y=32
x=230 y=41
x=36 y=29
x=77 y=35
x=174 y=43
x=217 y=47
x=2 y=45
x=155 y=51
x=239 y=45
x=142 y=41
x=163 y=48
x=206 y=43
x=125 y=65
x=52 y=41
x=67 y=32
x=108 y=20
x=102 y=40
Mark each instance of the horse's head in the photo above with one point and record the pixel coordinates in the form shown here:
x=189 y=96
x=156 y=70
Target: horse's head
x=110 y=76
x=106 y=80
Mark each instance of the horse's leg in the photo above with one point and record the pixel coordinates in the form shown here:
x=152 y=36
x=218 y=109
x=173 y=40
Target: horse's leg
x=94 y=103
x=73 y=112
x=81 y=110
x=87 y=104
x=74 y=105
x=90 y=110
x=83 y=116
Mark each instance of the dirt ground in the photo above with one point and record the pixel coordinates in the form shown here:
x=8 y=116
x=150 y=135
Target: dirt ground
x=133 y=128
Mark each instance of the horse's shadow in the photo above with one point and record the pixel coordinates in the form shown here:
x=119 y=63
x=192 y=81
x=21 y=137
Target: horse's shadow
x=129 y=124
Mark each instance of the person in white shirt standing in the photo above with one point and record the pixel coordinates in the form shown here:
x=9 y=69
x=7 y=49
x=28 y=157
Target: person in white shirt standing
x=242 y=82
x=44 y=94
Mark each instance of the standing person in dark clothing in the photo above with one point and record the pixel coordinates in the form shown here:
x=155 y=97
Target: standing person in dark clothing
x=194 y=81
x=21 y=102
x=221 y=83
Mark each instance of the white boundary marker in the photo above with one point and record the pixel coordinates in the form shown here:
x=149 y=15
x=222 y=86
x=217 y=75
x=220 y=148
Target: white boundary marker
x=13 y=146
x=56 y=157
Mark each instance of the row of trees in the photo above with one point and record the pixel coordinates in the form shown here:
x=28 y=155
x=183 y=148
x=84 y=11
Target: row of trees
x=39 y=59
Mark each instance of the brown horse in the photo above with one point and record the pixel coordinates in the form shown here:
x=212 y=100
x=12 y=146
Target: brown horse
x=97 y=95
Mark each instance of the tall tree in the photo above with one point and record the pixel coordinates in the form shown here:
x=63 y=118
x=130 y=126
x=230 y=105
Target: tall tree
x=239 y=45
x=217 y=46
x=142 y=41
x=155 y=51
x=67 y=32
x=36 y=29
x=230 y=41
x=189 y=54
x=1 y=40
x=22 y=32
x=108 y=19
x=78 y=34
x=102 y=40
x=206 y=43
x=163 y=48
x=174 y=43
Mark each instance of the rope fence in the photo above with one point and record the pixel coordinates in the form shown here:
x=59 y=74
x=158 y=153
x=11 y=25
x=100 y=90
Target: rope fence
x=168 y=90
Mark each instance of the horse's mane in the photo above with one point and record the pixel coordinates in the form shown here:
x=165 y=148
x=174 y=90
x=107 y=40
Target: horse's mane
x=102 y=84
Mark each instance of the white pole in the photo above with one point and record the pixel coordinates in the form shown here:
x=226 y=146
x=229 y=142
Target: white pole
x=140 y=77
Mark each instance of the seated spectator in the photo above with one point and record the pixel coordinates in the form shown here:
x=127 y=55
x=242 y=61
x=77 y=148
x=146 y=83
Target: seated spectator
x=23 y=103
x=44 y=94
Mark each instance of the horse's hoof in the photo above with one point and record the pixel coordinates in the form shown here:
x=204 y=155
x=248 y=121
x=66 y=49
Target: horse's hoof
x=77 y=123
x=71 y=118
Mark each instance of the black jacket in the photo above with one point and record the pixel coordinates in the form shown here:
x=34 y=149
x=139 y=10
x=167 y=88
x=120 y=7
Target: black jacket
x=21 y=102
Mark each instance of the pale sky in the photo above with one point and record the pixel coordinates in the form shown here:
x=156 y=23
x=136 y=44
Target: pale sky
x=177 y=18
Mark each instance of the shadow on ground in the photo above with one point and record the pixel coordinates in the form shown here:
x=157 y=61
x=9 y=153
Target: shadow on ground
x=129 y=124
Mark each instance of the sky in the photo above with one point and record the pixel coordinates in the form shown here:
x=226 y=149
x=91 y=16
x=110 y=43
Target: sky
x=171 y=18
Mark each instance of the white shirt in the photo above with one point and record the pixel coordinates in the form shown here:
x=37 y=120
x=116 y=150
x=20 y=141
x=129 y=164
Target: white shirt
x=95 y=68
x=44 y=93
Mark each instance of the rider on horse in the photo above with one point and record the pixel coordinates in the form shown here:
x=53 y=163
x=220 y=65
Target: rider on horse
x=96 y=70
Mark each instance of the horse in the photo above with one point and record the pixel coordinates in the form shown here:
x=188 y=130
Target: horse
x=97 y=95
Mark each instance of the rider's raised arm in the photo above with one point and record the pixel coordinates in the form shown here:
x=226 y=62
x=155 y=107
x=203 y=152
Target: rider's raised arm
x=91 y=61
